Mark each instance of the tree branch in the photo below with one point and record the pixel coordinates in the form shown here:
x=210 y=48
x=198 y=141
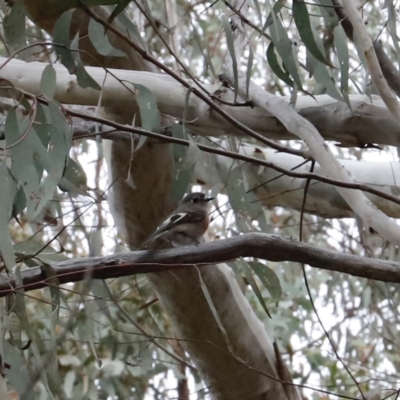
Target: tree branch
x=258 y=245
x=365 y=47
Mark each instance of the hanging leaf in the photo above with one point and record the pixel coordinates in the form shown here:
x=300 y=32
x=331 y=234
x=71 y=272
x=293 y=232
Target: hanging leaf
x=83 y=78
x=231 y=49
x=57 y=159
x=61 y=36
x=14 y=26
x=250 y=279
x=249 y=70
x=276 y=68
x=328 y=13
x=182 y=171
x=99 y=39
x=28 y=156
x=132 y=29
x=9 y=190
x=302 y=21
x=48 y=82
x=69 y=51
x=323 y=77
x=283 y=46
x=273 y=14
x=74 y=179
x=18 y=374
x=119 y=8
x=269 y=279
x=343 y=56
x=151 y=119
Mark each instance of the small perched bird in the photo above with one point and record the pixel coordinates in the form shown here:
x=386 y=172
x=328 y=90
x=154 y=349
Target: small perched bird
x=186 y=225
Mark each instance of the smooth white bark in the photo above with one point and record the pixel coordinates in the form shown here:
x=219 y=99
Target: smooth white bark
x=367 y=122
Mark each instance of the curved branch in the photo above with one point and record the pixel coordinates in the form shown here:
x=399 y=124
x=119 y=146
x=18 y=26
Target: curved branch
x=365 y=47
x=258 y=245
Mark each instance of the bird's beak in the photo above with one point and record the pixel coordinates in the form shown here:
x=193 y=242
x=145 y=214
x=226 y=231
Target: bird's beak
x=209 y=198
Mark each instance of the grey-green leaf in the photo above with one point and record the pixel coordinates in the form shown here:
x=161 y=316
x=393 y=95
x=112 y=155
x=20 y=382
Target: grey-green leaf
x=269 y=279
x=302 y=21
x=99 y=39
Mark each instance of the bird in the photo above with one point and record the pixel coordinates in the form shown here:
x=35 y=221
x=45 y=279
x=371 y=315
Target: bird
x=186 y=225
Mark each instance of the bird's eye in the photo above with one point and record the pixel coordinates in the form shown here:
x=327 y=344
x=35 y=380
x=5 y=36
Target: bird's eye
x=195 y=200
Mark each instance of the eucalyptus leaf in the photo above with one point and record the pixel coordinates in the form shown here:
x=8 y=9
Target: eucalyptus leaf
x=283 y=46
x=276 y=68
x=151 y=119
x=231 y=49
x=14 y=26
x=119 y=8
x=99 y=39
x=9 y=190
x=18 y=374
x=48 y=81
x=302 y=21
x=250 y=279
x=269 y=279
x=344 y=62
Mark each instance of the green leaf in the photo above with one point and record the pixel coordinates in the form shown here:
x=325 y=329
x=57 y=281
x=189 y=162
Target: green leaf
x=269 y=279
x=57 y=159
x=54 y=287
x=214 y=312
x=249 y=69
x=132 y=29
x=283 y=46
x=28 y=156
x=276 y=68
x=272 y=15
x=323 y=77
x=83 y=78
x=18 y=374
x=74 y=179
x=29 y=248
x=343 y=56
x=250 y=279
x=14 y=26
x=328 y=13
x=302 y=21
x=102 y=292
x=99 y=39
x=69 y=52
x=245 y=205
x=48 y=81
x=182 y=171
x=392 y=23
x=61 y=36
x=119 y=8
x=151 y=119
x=231 y=49
x=9 y=190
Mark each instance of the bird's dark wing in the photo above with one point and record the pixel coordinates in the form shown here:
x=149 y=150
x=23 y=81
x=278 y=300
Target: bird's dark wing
x=173 y=222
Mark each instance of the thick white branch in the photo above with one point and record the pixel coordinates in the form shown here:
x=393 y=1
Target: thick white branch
x=366 y=123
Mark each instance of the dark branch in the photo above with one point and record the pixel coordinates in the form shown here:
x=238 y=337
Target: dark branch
x=257 y=245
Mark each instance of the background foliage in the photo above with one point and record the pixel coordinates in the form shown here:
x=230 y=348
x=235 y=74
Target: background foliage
x=94 y=339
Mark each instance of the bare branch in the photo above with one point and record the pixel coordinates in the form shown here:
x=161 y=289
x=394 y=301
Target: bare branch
x=258 y=245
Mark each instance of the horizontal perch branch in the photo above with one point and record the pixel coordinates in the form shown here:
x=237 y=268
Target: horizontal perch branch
x=257 y=245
